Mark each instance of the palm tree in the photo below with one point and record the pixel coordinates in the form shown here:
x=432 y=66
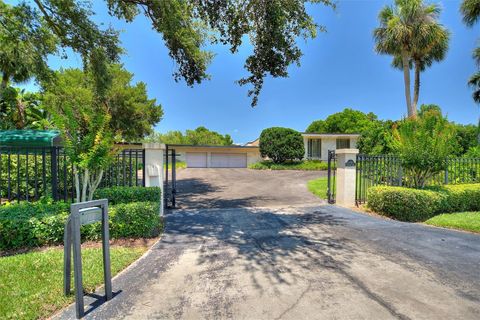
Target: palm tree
x=425 y=55
x=409 y=31
x=470 y=10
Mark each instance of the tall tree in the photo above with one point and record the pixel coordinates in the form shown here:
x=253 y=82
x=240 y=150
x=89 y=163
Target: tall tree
x=25 y=43
x=90 y=122
x=186 y=26
x=470 y=10
x=410 y=32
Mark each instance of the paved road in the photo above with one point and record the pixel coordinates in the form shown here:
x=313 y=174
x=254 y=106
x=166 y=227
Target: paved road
x=299 y=262
x=235 y=188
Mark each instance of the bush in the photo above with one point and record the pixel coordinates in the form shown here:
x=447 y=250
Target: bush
x=424 y=143
x=407 y=204
x=137 y=219
x=281 y=144
x=37 y=224
x=128 y=194
x=294 y=165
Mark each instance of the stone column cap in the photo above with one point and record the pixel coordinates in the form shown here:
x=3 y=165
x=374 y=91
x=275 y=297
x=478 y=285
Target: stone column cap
x=153 y=145
x=347 y=151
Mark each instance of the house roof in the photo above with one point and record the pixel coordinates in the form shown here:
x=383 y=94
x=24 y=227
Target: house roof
x=332 y=135
x=233 y=146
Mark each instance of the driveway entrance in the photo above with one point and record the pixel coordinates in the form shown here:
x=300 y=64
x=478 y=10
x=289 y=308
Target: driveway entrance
x=236 y=188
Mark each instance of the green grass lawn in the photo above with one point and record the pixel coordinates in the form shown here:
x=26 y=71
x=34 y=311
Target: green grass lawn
x=468 y=221
x=318 y=187
x=178 y=164
x=31 y=284
x=295 y=165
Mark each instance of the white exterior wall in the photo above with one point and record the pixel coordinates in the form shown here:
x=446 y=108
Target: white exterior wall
x=328 y=143
x=253 y=154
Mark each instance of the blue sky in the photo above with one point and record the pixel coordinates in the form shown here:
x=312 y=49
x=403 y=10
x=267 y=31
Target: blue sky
x=339 y=69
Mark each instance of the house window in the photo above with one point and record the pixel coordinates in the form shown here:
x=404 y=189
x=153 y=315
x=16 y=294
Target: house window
x=314 y=148
x=343 y=143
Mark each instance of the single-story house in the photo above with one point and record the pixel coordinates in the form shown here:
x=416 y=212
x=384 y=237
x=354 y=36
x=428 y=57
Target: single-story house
x=234 y=156
x=318 y=144
x=217 y=156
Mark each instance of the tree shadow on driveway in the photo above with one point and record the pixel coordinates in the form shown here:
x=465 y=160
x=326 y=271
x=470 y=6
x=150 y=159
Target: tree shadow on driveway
x=278 y=246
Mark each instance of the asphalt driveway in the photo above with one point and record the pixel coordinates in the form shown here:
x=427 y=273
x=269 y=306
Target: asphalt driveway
x=298 y=262
x=237 y=188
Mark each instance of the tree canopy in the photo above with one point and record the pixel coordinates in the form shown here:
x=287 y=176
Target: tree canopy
x=198 y=136
x=186 y=27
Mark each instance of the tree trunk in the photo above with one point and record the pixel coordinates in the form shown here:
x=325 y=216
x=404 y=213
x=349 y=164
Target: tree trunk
x=77 y=183
x=416 y=86
x=94 y=185
x=412 y=113
x=86 y=178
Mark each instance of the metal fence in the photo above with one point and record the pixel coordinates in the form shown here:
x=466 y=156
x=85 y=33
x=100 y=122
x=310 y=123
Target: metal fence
x=387 y=170
x=331 y=178
x=30 y=173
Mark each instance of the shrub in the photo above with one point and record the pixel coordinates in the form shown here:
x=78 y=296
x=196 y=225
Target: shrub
x=128 y=194
x=136 y=219
x=424 y=143
x=294 y=165
x=281 y=144
x=37 y=224
x=418 y=205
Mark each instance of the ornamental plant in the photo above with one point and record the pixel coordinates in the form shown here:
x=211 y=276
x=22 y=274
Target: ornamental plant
x=424 y=144
x=281 y=144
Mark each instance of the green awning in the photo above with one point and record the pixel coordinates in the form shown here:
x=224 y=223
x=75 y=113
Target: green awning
x=30 y=138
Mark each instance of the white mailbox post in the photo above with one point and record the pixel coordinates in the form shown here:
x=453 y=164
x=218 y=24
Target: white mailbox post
x=154 y=154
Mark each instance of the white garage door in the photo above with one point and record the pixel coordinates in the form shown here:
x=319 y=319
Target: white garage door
x=196 y=159
x=228 y=160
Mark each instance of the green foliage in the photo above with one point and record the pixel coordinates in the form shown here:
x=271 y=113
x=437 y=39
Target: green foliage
x=281 y=144
x=408 y=204
x=403 y=203
x=132 y=113
x=423 y=145
x=410 y=32
x=346 y=121
x=473 y=152
x=318 y=187
x=186 y=28
x=84 y=122
x=376 y=135
x=22 y=110
x=38 y=277
x=199 y=136
x=117 y=195
x=470 y=10
x=136 y=220
x=293 y=165
x=468 y=221
x=25 y=44
x=39 y=223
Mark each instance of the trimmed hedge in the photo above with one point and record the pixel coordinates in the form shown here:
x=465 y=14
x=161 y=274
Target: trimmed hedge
x=407 y=204
x=293 y=165
x=128 y=194
x=37 y=224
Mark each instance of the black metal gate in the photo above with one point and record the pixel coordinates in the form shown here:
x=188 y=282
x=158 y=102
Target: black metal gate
x=332 y=173
x=170 y=186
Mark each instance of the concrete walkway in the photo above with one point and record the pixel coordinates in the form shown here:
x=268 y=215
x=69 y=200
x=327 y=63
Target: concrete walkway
x=298 y=263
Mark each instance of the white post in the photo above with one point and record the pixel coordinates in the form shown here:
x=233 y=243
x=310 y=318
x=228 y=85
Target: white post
x=154 y=153
x=346 y=176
